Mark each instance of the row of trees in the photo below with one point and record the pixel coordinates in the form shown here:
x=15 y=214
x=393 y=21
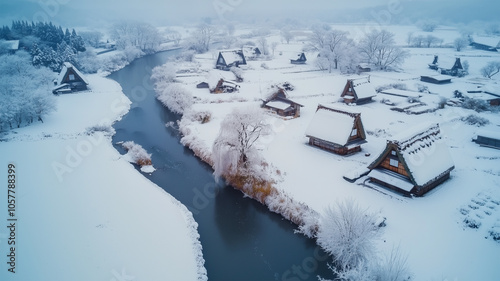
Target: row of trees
x=25 y=91
x=337 y=50
x=140 y=35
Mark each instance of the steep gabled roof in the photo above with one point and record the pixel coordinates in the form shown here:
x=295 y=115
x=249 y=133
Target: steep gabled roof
x=67 y=66
x=423 y=152
x=279 y=99
x=361 y=88
x=232 y=57
x=334 y=125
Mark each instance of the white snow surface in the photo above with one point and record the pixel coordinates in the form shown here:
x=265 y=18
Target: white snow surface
x=430 y=229
x=84 y=212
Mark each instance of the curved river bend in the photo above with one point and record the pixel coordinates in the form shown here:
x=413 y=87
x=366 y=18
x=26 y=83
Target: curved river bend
x=242 y=239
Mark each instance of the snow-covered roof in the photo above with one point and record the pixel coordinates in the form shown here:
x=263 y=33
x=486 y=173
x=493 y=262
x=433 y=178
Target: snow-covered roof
x=250 y=51
x=401 y=93
x=438 y=77
x=488 y=134
x=10 y=44
x=364 y=90
x=391 y=179
x=424 y=151
x=278 y=104
x=332 y=126
x=67 y=66
x=486 y=40
x=233 y=56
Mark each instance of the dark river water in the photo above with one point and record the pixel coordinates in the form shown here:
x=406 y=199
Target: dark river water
x=241 y=239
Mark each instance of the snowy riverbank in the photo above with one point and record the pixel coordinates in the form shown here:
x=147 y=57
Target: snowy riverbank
x=431 y=230
x=84 y=212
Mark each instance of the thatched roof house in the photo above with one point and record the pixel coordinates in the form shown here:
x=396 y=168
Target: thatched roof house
x=414 y=162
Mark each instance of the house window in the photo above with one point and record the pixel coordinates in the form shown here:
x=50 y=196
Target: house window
x=394 y=162
x=393 y=153
x=71 y=77
x=354 y=132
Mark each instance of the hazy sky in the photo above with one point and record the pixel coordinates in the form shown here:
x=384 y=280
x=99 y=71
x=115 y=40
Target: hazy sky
x=97 y=12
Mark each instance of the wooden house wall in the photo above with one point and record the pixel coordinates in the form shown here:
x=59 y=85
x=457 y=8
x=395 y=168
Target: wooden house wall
x=400 y=169
x=488 y=141
x=341 y=150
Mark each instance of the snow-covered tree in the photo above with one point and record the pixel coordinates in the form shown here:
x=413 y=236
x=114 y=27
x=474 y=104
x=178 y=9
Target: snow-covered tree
x=92 y=38
x=137 y=34
x=163 y=75
x=25 y=91
x=491 y=69
x=460 y=43
x=427 y=25
x=286 y=34
x=333 y=46
x=348 y=233
x=379 y=48
x=203 y=37
x=263 y=45
x=177 y=98
x=234 y=148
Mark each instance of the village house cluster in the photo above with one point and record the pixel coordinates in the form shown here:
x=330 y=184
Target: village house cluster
x=411 y=164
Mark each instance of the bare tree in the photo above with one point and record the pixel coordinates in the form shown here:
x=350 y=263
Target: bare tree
x=491 y=69
x=427 y=25
x=430 y=40
x=286 y=34
x=141 y=35
x=460 y=43
x=378 y=47
x=91 y=37
x=263 y=46
x=203 y=37
x=234 y=148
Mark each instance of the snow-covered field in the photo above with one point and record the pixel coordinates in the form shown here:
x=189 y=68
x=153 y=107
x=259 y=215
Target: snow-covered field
x=83 y=212
x=430 y=229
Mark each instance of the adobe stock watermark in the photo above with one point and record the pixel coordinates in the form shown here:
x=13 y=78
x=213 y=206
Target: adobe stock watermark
x=384 y=16
x=222 y=7
x=121 y=276
x=307 y=268
x=48 y=10
x=202 y=197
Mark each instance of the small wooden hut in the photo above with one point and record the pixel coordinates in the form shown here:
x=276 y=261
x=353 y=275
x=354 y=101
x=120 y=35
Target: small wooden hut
x=435 y=79
x=488 y=139
x=414 y=162
x=358 y=91
x=281 y=105
x=336 y=130
x=434 y=65
x=70 y=79
x=224 y=86
x=300 y=59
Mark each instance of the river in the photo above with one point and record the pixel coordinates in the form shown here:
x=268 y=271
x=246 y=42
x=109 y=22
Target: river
x=241 y=239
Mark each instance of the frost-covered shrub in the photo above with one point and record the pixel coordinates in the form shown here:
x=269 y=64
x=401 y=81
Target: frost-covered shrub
x=201 y=116
x=475 y=120
x=163 y=75
x=348 y=233
x=131 y=53
x=106 y=129
x=393 y=267
x=177 y=98
x=472 y=222
x=422 y=88
x=399 y=86
x=495 y=232
x=476 y=104
x=137 y=154
x=187 y=56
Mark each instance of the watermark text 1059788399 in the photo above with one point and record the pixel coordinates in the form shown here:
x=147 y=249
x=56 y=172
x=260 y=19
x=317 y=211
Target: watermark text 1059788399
x=11 y=219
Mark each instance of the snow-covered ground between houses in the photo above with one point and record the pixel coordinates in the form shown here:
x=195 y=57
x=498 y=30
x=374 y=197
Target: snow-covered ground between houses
x=446 y=233
x=83 y=212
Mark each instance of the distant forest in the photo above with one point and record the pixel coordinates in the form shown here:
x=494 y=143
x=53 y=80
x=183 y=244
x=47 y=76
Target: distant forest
x=49 y=45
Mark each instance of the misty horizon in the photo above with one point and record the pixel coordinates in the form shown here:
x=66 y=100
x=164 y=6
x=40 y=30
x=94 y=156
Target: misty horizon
x=98 y=13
